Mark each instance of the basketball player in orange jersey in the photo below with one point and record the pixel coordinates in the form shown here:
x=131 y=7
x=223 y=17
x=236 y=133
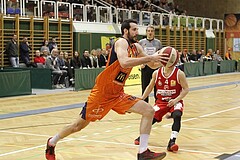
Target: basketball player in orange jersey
x=172 y=87
x=108 y=92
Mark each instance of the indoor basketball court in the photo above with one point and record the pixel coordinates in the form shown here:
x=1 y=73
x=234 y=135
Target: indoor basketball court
x=210 y=125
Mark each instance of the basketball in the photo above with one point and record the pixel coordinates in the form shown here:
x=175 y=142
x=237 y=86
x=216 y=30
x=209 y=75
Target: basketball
x=172 y=54
x=230 y=20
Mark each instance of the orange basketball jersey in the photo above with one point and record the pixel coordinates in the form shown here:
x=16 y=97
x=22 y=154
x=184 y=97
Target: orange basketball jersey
x=107 y=93
x=109 y=83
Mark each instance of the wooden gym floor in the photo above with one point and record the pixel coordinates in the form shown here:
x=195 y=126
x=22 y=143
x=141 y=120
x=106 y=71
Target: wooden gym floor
x=210 y=125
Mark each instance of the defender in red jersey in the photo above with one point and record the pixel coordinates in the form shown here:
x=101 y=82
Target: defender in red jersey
x=172 y=87
x=108 y=92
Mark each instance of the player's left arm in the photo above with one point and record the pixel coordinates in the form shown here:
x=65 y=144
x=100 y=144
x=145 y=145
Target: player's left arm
x=185 y=89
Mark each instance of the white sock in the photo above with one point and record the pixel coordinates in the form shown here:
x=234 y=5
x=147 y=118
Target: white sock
x=53 y=141
x=174 y=134
x=143 y=142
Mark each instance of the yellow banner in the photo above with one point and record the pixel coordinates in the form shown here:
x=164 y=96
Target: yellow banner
x=135 y=76
x=105 y=40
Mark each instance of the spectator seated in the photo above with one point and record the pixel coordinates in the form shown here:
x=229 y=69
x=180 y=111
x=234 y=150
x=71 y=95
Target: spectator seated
x=63 y=14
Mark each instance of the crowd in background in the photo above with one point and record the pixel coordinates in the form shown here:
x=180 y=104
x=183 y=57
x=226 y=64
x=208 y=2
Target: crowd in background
x=63 y=63
x=64 y=9
x=147 y=5
x=159 y=6
x=193 y=56
x=142 y=5
x=60 y=62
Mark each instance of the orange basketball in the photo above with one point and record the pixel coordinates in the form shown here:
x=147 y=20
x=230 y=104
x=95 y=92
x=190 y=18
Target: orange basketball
x=172 y=53
x=230 y=20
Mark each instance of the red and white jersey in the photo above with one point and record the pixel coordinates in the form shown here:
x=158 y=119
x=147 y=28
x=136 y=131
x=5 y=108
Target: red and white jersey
x=167 y=87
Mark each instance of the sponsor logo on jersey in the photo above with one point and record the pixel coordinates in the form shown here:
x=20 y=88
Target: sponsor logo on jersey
x=98 y=110
x=173 y=83
x=166 y=99
x=159 y=83
x=166 y=81
x=96 y=113
x=166 y=87
x=163 y=92
x=121 y=77
x=95 y=116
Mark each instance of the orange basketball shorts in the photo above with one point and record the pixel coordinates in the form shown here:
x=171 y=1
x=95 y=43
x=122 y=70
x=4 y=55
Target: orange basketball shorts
x=97 y=108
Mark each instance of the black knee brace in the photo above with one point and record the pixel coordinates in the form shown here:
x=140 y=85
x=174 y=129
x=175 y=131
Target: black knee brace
x=176 y=115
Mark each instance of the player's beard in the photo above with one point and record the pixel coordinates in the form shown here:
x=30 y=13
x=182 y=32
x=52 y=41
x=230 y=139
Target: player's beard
x=132 y=39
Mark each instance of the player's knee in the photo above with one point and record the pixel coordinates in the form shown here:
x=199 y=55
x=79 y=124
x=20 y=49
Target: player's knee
x=177 y=114
x=148 y=111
